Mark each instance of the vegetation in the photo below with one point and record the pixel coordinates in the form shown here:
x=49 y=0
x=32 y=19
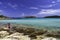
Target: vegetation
x=4 y=17
x=30 y=17
x=52 y=16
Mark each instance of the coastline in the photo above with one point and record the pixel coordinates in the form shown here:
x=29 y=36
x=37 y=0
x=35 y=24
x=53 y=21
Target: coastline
x=32 y=33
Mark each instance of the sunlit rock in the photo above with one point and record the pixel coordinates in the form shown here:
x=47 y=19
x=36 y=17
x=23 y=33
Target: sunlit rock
x=3 y=34
x=8 y=39
x=18 y=36
x=49 y=38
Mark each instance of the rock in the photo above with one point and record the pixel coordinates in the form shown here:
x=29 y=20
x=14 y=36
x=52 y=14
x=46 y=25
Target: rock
x=49 y=38
x=8 y=39
x=18 y=36
x=33 y=36
x=3 y=34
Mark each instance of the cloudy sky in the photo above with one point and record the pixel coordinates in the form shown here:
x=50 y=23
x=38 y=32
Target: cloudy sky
x=39 y=8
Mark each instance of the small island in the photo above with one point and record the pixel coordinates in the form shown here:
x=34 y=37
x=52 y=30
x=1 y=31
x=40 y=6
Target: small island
x=55 y=16
x=29 y=17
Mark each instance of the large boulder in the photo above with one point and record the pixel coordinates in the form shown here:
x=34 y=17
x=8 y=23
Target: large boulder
x=3 y=34
x=18 y=36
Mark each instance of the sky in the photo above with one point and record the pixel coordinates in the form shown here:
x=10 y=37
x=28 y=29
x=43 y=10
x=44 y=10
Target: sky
x=20 y=8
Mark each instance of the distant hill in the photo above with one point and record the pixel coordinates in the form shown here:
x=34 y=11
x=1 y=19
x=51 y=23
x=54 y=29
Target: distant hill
x=30 y=17
x=23 y=17
x=3 y=17
x=55 y=16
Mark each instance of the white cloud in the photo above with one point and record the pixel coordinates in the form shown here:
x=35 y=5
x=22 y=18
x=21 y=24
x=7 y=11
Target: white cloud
x=49 y=11
x=48 y=6
x=13 y=5
x=33 y=8
x=53 y=2
x=23 y=14
x=58 y=0
x=45 y=6
x=0 y=2
x=1 y=10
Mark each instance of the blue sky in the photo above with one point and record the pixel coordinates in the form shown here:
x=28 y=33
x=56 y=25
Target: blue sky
x=39 y=8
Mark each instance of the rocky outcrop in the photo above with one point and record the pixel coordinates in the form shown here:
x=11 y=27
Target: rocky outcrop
x=15 y=36
x=3 y=34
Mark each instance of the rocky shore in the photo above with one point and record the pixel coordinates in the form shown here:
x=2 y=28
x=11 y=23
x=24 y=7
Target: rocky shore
x=26 y=33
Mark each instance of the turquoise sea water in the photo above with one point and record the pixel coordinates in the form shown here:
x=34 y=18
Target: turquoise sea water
x=46 y=22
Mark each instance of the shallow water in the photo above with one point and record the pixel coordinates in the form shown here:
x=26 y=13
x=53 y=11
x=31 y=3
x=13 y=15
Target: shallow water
x=45 y=22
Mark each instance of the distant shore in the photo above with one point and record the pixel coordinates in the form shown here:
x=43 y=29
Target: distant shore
x=2 y=17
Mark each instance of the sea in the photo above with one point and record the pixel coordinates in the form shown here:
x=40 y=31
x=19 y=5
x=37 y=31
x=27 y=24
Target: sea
x=49 y=23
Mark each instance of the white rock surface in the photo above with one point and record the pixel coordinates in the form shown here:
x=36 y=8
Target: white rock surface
x=18 y=36
x=8 y=39
x=49 y=38
x=3 y=33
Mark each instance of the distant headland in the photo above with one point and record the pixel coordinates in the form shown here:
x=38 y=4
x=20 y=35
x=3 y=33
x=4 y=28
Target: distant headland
x=55 y=16
x=3 y=17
